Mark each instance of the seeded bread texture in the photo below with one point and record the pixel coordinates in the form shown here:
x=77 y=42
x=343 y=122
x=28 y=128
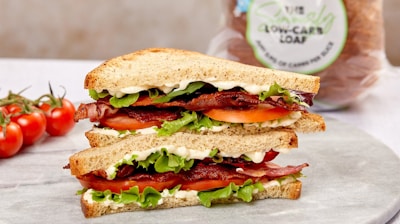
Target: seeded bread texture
x=308 y=123
x=285 y=191
x=100 y=158
x=155 y=67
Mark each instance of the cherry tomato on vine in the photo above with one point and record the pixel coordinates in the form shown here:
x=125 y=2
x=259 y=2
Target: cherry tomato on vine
x=32 y=122
x=10 y=140
x=60 y=120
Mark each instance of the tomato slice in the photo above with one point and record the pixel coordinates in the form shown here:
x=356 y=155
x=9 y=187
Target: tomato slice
x=258 y=114
x=124 y=122
x=101 y=184
x=203 y=185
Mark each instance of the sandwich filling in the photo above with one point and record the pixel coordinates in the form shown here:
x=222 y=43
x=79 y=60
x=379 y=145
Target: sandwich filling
x=197 y=107
x=150 y=175
x=144 y=177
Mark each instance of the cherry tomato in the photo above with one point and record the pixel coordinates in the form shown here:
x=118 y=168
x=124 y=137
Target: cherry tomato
x=259 y=114
x=60 y=120
x=11 y=142
x=124 y=122
x=32 y=124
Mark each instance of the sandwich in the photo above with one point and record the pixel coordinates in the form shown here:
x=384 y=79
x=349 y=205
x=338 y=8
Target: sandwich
x=175 y=128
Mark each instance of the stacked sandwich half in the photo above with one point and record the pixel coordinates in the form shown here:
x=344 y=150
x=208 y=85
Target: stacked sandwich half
x=176 y=128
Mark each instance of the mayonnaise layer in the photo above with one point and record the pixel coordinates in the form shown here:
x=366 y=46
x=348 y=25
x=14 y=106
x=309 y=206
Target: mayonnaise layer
x=169 y=87
x=255 y=156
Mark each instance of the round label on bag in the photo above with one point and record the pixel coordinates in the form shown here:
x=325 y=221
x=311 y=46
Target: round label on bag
x=296 y=35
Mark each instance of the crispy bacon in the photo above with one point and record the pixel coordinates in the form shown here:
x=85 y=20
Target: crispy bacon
x=210 y=171
x=145 y=114
x=222 y=99
x=271 y=170
x=94 y=111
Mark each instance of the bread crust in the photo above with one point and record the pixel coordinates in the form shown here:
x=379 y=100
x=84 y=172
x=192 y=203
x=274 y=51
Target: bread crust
x=155 y=67
x=285 y=191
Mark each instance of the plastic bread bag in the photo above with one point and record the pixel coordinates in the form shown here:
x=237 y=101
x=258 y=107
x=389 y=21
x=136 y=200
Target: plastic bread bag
x=340 y=41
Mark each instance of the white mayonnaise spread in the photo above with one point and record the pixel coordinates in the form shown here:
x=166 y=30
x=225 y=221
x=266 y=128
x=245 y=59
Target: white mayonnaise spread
x=255 y=156
x=107 y=202
x=180 y=151
x=166 y=88
x=179 y=194
x=285 y=180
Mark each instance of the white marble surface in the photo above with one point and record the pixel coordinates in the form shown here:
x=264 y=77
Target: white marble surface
x=34 y=187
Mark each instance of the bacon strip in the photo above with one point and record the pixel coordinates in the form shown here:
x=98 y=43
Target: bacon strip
x=146 y=114
x=271 y=170
x=94 y=111
x=222 y=99
x=211 y=171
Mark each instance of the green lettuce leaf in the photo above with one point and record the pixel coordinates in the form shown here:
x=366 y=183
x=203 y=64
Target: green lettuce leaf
x=203 y=122
x=101 y=196
x=190 y=120
x=148 y=198
x=243 y=192
x=171 y=162
x=277 y=90
x=215 y=156
x=213 y=152
x=191 y=88
x=124 y=101
x=150 y=160
x=175 y=189
x=170 y=127
x=162 y=161
x=153 y=92
x=128 y=196
x=95 y=95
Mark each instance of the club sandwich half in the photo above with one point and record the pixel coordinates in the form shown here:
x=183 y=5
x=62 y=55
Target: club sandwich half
x=175 y=128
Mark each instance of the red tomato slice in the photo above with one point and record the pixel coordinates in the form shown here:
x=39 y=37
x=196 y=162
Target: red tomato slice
x=203 y=185
x=124 y=122
x=259 y=114
x=101 y=184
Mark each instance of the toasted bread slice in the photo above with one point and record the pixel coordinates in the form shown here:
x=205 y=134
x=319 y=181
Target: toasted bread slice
x=165 y=68
x=101 y=158
x=95 y=209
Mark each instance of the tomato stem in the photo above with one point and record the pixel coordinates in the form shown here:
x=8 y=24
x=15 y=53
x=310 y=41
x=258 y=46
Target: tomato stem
x=54 y=102
x=4 y=121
